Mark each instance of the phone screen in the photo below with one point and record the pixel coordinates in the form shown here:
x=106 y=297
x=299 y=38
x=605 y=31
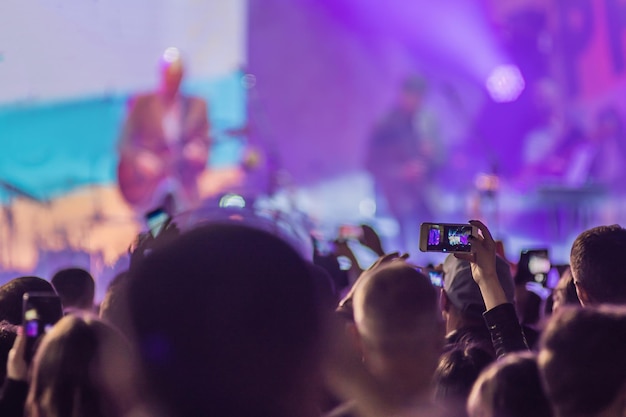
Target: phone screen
x=539 y=264
x=157 y=220
x=40 y=311
x=446 y=237
x=436 y=277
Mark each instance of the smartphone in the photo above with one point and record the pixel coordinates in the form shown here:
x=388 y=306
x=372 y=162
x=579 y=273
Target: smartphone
x=538 y=263
x=350 y=232
x=446 y=237
x=40 y=311
x=436 y=277
x=157 y=220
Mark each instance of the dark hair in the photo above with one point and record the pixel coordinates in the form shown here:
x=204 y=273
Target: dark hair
x=114 y=308
x=227 y=323
x=75 y=370
x=510 y=387
x=582 y=358
x=12 y=292
x=566 y=290
x=8 y=331
x=597 y=263
x=457 y=370
x=76 y=288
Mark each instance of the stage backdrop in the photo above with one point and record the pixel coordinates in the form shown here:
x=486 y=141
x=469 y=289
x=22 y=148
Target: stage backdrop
x=67 y=68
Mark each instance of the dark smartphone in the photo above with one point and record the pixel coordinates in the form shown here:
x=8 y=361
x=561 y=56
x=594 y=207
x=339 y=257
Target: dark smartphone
x=446 y=237
x=157 y=220
x=40 y=311
x=537 y=261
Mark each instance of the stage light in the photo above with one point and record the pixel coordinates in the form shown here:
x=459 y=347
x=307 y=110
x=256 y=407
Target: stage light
x=232 y=200
x=171 y=54
x=505 y=83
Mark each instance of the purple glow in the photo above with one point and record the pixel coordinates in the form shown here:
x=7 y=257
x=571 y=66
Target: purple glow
x=505 y=83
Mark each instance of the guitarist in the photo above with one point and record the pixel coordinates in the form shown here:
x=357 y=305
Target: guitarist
x=402 y=158
x=164 y=144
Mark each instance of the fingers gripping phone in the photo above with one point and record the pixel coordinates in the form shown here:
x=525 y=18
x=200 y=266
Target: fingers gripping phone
x=40 y=311
x=446 y=237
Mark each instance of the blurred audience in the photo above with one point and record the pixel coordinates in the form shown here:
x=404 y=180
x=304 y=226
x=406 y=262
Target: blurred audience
x=228 y=319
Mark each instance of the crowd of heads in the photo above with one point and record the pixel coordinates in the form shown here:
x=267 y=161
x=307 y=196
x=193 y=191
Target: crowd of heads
x=228 y=319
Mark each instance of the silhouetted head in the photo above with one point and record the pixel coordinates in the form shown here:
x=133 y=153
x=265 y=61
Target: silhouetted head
x=12 y=293
x=400 y=327
x=597 y=268
x=75 y=287
x=457 y=371
x=511 y=387
x=227 y=323
x=81 y=368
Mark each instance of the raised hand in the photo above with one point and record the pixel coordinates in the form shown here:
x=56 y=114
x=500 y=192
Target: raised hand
x=17 y=368
x=482 y=260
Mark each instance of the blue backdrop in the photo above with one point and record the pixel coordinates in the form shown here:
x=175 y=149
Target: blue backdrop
x=48 y=149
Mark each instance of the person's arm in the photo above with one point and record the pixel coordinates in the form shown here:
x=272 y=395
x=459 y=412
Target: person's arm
x=500 y=317
x=15 y=389
x=371 y=240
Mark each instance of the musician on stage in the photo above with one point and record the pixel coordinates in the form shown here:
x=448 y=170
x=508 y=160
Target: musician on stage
x=402 y=157
x=165 y=142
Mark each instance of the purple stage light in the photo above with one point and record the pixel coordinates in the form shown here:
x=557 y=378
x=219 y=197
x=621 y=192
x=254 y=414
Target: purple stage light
x=505 y=83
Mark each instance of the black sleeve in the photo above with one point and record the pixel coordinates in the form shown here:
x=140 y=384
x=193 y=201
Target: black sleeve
x=506 y=333
x=13 y=398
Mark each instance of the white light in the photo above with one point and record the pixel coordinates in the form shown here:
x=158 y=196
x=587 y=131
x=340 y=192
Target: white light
x=505 y=83
x=232 y=200
x=171 y=54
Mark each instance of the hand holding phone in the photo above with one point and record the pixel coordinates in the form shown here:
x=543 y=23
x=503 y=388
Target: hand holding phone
x=40 y=311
